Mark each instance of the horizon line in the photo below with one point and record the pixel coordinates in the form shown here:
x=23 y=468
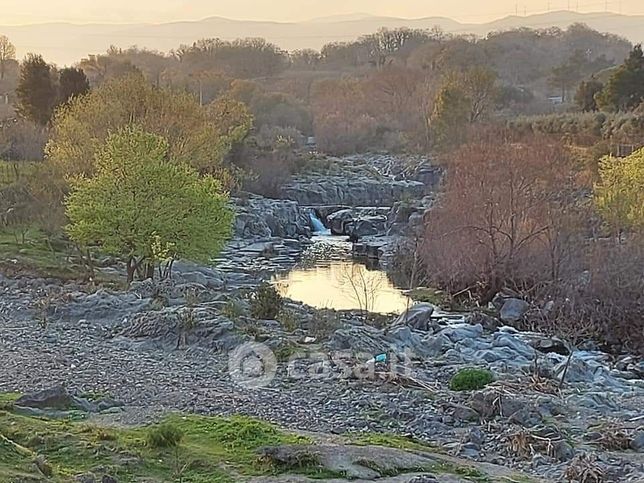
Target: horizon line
x=327 y=17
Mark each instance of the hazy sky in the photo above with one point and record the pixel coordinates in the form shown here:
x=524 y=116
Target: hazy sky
x=118 y=11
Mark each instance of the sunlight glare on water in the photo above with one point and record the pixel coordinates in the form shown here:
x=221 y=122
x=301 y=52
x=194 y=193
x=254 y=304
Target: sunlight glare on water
x=342 y=285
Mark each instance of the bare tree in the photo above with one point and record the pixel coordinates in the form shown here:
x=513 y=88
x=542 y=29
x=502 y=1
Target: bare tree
x=505 y=217
x=7 y=53
x=362 y=285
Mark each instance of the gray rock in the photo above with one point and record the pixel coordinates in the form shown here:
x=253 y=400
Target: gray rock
x=358 y=339
x=486 y=403
x=562 y=451
x=637 y=443
x=476 y=437
x=367 y=226
x=464 y=413
x=101 y=306
x=339 y=221
x=460 y=332
x=437 y=345
x=354 y=462
x=263 y=218
x=170 y=329
x=418 y=317
x=55 y=398
x=486 y=321
x=513 y=310
x=513 y=343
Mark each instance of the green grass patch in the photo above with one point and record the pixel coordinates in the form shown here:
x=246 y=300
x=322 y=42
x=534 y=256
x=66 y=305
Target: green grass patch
x=36 y=254
x=471 y=379
x=7 y=400
x=209 y=450
x=468 y=473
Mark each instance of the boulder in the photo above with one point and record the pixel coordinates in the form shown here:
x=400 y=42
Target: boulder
x=358 y=339
x=367 y=226
x=462 y=332
x=465 y=414
x=338 y=222
x=101 y=306
x=59 y=399
x=513 y=310
x=488 y=322
x=353 y=462
x=261 y=218
x=174 y=327
x=515 y=344
x=418 y=317
x=637 y=443
x=54 y=398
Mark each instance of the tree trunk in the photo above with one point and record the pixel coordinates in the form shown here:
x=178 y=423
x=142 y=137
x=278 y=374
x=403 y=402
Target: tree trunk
x=131 y=270
x=149 y=271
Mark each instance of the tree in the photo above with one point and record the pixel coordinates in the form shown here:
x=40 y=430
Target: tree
x=200 y=135
x=479 y=84
x=146 y=207
x=566 y=75
x=619 y=195
x=36 y=90
x=102 y=68
x=451 y=113
x=305 y=59
x=586 y=94
x=625 y=89
x=506 y=217
x=7 y=53
x=73 y=83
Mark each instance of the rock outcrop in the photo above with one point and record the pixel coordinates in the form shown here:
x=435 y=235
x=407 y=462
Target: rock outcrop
x=262 y=218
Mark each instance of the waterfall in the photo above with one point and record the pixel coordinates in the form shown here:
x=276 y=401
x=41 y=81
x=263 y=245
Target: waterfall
x=317 y=225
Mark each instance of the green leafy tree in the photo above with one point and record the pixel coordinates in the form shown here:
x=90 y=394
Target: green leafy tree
x=586 y=93
x=73 y=83
x=619 y=195
x=145 y=207
x=36 y=90
x=451 y=113
x=203 y=136
x=625 y=89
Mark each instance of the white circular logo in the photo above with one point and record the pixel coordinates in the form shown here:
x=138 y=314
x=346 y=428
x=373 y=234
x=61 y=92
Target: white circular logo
x=252 y=365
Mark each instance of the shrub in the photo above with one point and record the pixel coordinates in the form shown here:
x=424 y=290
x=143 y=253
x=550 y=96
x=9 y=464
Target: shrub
x=266 y=303
x=164 y=436
x=145 y=208
x=22 y=141
x=508 y=217
x=201 y=136
x=471 y=379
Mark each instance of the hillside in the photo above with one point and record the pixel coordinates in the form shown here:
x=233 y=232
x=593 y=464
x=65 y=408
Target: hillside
x=65 y=43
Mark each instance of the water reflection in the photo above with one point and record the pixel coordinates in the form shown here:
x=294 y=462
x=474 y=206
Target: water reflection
x=342 y=285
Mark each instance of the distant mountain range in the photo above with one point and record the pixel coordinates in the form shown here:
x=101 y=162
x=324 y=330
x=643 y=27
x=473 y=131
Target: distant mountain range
x=66 y=43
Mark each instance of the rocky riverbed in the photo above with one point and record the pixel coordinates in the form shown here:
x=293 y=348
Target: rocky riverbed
x=191 y=345
x=137 y=347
